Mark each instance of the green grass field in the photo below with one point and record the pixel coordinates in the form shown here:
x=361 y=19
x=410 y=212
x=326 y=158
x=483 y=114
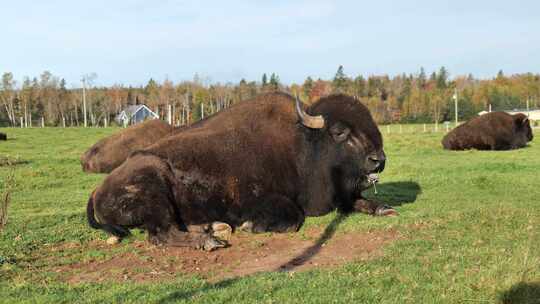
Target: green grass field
x=469 y=225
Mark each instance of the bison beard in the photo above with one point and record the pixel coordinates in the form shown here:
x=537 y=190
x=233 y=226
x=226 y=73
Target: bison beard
x=491 y=131
x=261 y=165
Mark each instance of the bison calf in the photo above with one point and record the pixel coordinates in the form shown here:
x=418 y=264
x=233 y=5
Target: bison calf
x=3 y=136
x=491 y=131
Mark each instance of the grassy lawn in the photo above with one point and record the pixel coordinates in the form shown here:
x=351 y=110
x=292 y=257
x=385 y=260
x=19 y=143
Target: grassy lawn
x=469 y=230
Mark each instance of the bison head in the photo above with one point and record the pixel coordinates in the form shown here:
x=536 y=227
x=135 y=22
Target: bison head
x=88 y=160
x=347 y=141
x=523 y=128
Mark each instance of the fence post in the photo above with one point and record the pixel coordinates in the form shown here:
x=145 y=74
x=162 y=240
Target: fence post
x=43 y=122
x=22 y=124
x=424 y=128
x=387 y=129
x=400 y=128
x=63 y=122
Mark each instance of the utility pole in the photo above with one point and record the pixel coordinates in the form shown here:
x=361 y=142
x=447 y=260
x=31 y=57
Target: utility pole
x=84 y=99
x=455 y=105
x=202 y=110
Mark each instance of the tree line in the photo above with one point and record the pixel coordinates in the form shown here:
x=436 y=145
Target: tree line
x=401 y=98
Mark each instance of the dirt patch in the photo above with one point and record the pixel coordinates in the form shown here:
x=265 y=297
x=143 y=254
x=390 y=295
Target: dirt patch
x=248 y=254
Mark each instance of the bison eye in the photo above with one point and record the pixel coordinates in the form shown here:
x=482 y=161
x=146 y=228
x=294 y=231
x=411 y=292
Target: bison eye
x=340 y=133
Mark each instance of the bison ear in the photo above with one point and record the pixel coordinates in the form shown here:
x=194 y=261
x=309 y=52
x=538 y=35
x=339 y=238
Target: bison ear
x=340 y=132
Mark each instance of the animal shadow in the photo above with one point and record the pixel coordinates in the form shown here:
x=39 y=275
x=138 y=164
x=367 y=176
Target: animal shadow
x=311 y=251
x=395 y=193
x=522 y=293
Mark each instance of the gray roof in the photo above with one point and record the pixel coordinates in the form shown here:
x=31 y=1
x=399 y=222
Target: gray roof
x=130 y=110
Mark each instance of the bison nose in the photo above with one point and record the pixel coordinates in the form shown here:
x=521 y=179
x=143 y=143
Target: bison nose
x=377 y=162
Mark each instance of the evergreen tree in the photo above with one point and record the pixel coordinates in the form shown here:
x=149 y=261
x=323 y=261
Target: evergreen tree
x=274 y=82
x=442 y=78
x=433 y=77
x=264 y=80
x=339 y=83
x=422 y=79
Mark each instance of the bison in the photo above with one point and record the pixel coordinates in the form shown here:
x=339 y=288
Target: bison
x=262 y=165
x=3 y=136
x=112 y=151
x=491 y=131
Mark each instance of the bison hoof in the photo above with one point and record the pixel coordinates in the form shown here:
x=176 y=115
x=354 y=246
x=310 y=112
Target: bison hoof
x=385 y=210
x=221 y=231
x=113 y=240
x=212 y=243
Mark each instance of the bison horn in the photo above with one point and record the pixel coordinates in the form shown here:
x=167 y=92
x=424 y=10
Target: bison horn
x=312 y=122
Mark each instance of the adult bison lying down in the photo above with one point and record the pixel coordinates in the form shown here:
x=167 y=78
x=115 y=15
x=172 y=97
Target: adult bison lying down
x=3 y=136
x=112 y=151
x=491 y=131
x=261 y=165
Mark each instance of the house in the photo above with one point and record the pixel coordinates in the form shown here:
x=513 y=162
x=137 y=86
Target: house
x=135 y=114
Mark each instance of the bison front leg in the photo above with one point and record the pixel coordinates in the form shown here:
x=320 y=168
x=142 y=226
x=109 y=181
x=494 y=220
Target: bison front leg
x=273 y=213
x=373 y=208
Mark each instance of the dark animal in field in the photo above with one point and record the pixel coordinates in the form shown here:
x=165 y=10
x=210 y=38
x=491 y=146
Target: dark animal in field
x=261 y=165
x=491 y=131
x=3 y=136
x=112 y=151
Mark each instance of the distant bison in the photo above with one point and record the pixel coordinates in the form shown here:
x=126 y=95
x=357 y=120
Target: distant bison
x=111 y=151
x=261 y=165
x=3 y=136
x=491 y=131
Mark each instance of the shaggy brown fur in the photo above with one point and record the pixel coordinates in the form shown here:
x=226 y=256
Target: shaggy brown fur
x=3 y=136
x=250 y=165
x=112 y=151
x=491 y=131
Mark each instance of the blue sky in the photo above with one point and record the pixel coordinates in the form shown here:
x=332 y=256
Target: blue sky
x=129 y=41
